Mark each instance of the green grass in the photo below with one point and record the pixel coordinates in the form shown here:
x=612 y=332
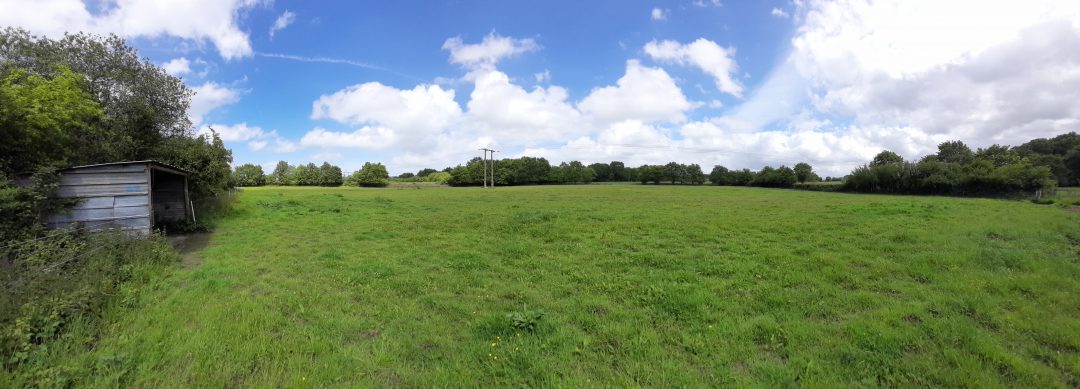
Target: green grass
x=638 y=286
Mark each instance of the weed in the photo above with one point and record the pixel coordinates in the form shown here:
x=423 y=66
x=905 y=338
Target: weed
x=525 y=320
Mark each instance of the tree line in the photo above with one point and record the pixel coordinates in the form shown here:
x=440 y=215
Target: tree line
x=284 y=174
x=957 y=170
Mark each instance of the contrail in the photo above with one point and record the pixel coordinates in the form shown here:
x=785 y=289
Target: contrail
x=340 y=61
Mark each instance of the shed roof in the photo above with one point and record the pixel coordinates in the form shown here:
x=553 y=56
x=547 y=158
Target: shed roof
x=152 y=163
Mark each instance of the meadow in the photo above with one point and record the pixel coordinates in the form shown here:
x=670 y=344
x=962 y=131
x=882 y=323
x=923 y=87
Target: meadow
x=600 y=286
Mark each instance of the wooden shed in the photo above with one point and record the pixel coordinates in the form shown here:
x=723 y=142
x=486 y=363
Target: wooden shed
x=135 y=196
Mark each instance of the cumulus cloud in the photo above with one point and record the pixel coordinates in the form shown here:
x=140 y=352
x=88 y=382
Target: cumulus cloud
x=780 y=13
x=702 y=54
x=398 y=115
x=488 y=52
x=282 y=21
x=643 y=93
x=659 y=14
x=208 y=97
x=364 y=138
x=997 y=73
x=196 y=20
x=177 y=66
x=499 y=107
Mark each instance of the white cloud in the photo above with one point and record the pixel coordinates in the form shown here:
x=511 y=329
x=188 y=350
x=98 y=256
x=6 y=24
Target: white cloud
x=643 y=93
x=208 y=97
x=233 y=133
x=543 y=77
x=707 y=3
x=326 y=156
x=284 y=146
x=703 y=54
x=975 y=71
x=780 y=13
x=499 y=107
x=406 y=116
x=257 y=139
x=282 y=21
x=364 y=138
x=659 y=14
x=195 y=20
x=488 y=52
x=177 y=66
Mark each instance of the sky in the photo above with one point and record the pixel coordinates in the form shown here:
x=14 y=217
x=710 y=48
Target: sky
x=744 y=84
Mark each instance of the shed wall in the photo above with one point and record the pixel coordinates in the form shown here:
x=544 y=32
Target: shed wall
x=113 y=196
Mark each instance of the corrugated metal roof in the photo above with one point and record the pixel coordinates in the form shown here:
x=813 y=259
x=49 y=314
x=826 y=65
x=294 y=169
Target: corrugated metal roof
x=152 y=162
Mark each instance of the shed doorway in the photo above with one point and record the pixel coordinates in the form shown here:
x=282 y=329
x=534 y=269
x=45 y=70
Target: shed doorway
x=169 y=199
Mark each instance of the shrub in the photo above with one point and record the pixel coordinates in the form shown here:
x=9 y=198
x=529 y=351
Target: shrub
x=65 y=276
x=371 y=175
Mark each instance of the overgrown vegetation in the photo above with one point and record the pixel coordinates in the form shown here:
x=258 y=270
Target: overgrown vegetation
x=639 y=285
x=82 y=99
x=953 y=170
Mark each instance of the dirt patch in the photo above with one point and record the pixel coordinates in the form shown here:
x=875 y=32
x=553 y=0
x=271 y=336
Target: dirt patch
x=1075 y=208
x=190 y=247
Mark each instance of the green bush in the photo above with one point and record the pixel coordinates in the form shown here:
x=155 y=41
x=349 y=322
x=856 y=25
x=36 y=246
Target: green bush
x=65 y=276
x=371 y=175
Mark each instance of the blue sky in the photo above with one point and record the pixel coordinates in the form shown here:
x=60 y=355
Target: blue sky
x=742 y=83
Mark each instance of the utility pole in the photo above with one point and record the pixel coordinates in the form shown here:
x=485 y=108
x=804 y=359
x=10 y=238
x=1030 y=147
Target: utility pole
x=489 y=165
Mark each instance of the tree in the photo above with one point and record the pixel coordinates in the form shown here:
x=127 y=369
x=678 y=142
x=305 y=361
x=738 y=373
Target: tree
x=206 y=157
x=997 y=155
x=371 y=175
x=651 y=173
x=282 y=174
x=718 y=175
x=406 y=175
x=602 y=170
x=618 y=171
x=954 y=152
x=425 y=172
x=329 y=175
x=884 y=158
x=144 y=104
x=42 y=120
x=805 y=173
x=249 y=174
x=694 y=175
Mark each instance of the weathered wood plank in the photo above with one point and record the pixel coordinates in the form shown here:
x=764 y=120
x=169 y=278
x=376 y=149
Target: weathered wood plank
x=130 y=201
x=102 y=190
x=96 y=202
x=101 y=213
x=136 y=167
x=129 y=223
x=103 y=178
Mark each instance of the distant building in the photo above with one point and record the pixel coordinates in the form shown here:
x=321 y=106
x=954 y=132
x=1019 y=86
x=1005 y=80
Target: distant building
x=134 y=196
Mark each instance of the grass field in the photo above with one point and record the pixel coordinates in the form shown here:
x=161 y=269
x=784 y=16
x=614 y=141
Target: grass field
x=638 y=286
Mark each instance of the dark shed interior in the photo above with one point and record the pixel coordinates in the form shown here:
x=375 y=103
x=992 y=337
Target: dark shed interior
x=169 y=197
